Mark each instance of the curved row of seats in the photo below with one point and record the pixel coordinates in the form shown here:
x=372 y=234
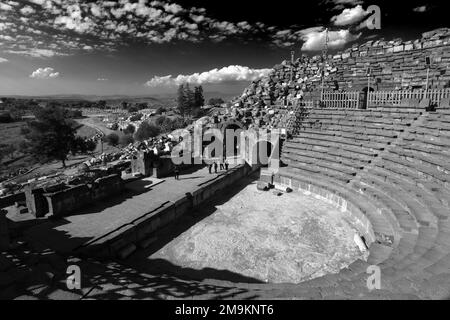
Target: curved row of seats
x=400 y=174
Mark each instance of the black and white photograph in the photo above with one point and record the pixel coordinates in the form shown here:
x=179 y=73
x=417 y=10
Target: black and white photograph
x=224 y=156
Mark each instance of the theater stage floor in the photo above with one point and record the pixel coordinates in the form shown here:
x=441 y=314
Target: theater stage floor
x=263 y=237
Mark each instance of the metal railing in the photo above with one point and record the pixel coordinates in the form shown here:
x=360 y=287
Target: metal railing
x=395 y=98
x=340 y=100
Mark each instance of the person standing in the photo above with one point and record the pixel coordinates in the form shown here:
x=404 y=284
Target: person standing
x=215 y=167
x=210 y=167
x=226 y=165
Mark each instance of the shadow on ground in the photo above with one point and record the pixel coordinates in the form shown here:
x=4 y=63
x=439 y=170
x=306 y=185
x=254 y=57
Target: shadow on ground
x=142 y=260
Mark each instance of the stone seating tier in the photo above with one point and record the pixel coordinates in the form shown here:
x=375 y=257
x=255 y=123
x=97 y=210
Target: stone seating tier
x=400 y=181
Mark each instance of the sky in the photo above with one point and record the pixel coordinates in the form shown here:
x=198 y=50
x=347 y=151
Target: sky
x=149 y=47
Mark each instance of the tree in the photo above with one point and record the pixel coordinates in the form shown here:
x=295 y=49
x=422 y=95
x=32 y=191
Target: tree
x=215 y=101
x=80 y=145
x=145 y=131
x=5 y=117
x=163 y=123
x=124 y=105
x=112 y=139
x=181 y=100
x=126 y=140
x=133 y=109
x=51 y=135
x=101 y=104
x=74 y=114
x=190 y=98
x=136 y=117
x=199 y=100
x=197 y=113
x=130 y=129
x=160 y=110
x=179 y=123
x=142 y=105
x=90 y=145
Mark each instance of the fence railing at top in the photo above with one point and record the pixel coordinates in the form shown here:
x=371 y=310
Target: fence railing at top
x=393 y=98
x=340 y=100
x=356 y=99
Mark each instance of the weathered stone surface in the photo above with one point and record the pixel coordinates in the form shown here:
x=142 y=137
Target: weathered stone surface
x=346 y=71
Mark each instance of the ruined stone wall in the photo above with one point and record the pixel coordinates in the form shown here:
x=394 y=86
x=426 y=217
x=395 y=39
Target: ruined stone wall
x=4 y=234
x=395 y=65
x=68 y=200
x=11 y=199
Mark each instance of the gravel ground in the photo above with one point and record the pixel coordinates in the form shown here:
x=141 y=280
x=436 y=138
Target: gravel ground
x=288 y=238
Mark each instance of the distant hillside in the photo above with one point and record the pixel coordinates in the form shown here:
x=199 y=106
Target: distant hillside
x=163 y=99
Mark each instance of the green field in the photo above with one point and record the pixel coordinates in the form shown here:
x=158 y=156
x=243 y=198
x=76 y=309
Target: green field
x=10 y=132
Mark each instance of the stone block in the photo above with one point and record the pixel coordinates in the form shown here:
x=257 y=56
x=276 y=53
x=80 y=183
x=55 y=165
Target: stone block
x=262 y=186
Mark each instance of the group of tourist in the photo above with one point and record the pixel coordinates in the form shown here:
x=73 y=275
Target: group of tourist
x=217 y=165
x=223 y=165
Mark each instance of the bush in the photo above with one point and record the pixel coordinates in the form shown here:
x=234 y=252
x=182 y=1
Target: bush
x=126 y=140
x=112 y=139
x=164 y=124
x=90 y=145
x=80 y=145
x=146 y=131
x=130 y=129
x=179 y=123
x=160 y=110
x=215 y=101
x=197 y=113
x=133 y=109
x=74 y=114
x=5 y=118
x=136 y=117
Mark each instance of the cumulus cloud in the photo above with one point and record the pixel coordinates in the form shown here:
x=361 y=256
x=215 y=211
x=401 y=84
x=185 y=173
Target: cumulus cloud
x=5 y=7
x=3 y=60
x=78 y=25
x=105 y=25
x=214 y=76
x=39 y=2
x=44 y=73
x=349 y=16
x=421 y=9
x=36 y=53
x=314 y=38
x=27 y=10
x=339 y=4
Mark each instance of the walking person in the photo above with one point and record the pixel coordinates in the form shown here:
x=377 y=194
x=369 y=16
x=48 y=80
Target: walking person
x=210 y=167
x=221 y=165
x=226 y=165
x=177 y=173
x=215 y=167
